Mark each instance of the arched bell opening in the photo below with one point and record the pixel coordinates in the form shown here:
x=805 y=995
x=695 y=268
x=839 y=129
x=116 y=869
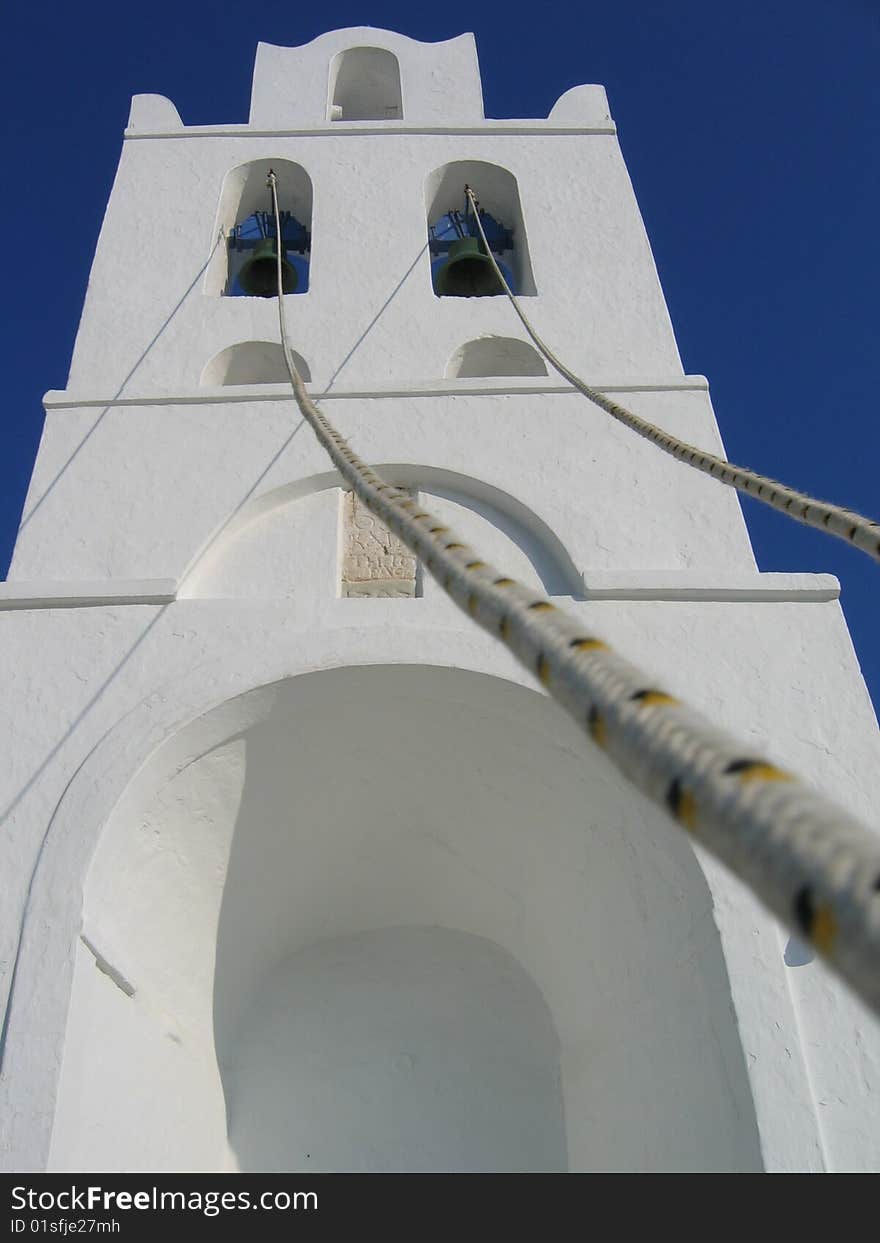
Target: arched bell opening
x=495 y=356
x=245 y=264
x=284 y=943
x=460 y=265
x=365 y=85
x=251 y=362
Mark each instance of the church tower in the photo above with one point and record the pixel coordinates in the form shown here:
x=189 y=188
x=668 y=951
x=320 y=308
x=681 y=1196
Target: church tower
x=302 y=871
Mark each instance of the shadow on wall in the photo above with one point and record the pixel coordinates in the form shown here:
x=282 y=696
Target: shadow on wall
x=216 y=250
x=325 y=900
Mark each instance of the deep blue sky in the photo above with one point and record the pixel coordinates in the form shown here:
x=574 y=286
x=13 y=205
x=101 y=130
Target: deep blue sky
x=750 y=129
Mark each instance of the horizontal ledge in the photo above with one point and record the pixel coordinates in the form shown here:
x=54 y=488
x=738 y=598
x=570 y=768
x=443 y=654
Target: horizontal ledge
x=689 y=585
x=73 y=595
x=476 y=387
x=348 y=129
x=601 y=585
x=692 y=586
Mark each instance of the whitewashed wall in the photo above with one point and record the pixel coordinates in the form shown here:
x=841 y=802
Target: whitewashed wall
x=179 y=551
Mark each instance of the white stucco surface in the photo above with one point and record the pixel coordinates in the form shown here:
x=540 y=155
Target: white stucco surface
x=598 y=488
x=308 y=882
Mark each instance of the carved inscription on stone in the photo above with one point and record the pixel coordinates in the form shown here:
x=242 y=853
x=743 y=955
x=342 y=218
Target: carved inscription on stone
x=374 y=561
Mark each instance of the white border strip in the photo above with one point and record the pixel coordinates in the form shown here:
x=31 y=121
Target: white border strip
x=599 y=585
x=59 y=595
x=351 y=129
x=57 y=399
x=659 y=585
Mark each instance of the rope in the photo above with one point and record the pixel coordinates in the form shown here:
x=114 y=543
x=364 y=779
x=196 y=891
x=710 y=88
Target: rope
x=814 y=866
x=846 y=524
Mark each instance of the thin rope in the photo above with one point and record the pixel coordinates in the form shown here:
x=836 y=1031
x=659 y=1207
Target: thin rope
x=812 y=864
x=846 y=524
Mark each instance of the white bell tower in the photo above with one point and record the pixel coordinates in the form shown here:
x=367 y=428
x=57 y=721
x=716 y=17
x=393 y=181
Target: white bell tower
x=302 y=871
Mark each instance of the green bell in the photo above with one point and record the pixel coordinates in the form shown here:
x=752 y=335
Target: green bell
x=259 y=276
x=468 y=272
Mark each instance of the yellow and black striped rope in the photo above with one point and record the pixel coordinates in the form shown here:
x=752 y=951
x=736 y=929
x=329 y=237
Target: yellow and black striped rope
x=846 y=524
x=814 y=866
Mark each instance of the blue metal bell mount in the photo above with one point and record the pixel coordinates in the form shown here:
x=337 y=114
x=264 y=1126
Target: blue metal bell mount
x=261 y=224
x=458 y=224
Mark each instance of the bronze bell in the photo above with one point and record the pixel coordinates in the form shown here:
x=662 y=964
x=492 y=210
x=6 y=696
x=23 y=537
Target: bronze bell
x=259 y=276
x=468 y=272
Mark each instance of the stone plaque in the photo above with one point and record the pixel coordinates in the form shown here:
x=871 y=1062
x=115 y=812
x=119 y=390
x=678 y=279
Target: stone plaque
x=375 y=563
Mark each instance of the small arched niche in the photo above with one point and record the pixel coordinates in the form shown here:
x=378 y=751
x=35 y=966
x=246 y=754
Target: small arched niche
x=494 y=356
x=365 y=85
x=251 y=362
x=245 y=218
x=450 y=221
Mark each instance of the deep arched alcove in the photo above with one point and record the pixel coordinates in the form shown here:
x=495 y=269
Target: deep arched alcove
x=281 y=909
